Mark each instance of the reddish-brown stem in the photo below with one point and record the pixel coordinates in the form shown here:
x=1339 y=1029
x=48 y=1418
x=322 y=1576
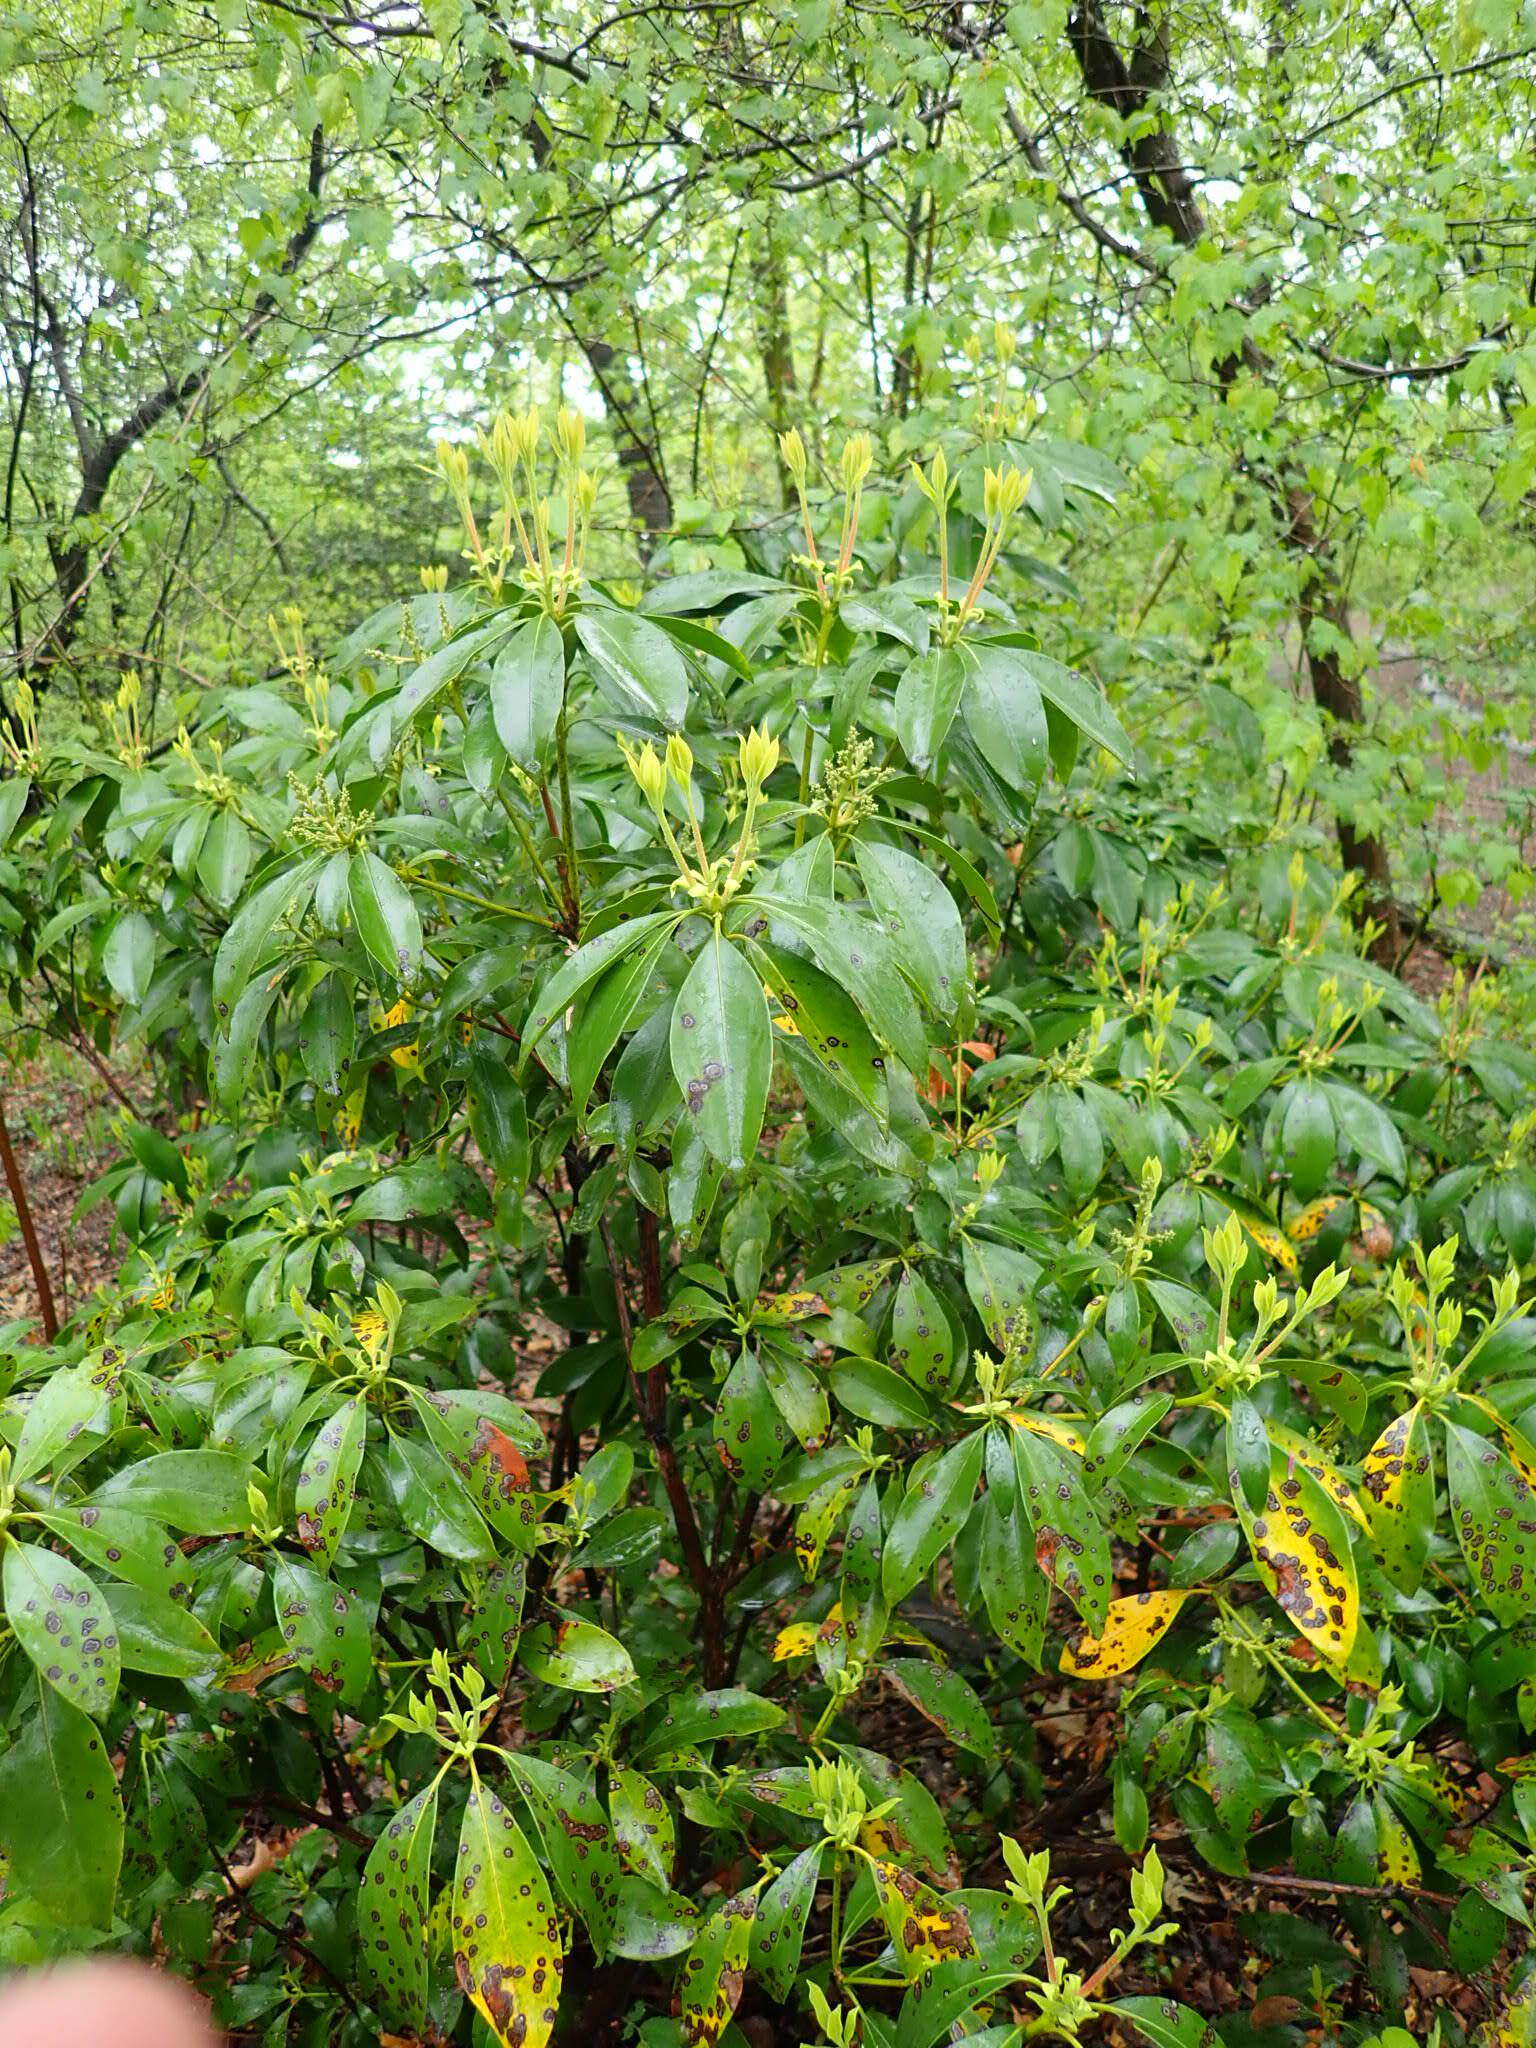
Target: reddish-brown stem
x=23 y=1208
x=653 y=1419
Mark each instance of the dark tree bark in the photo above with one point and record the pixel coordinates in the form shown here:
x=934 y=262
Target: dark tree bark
x=1129 y=86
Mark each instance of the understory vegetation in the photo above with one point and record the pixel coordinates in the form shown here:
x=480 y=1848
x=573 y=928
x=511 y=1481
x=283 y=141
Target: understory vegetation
x=822 y=1189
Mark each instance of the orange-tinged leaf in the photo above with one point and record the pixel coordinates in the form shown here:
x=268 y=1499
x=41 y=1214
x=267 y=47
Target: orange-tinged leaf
x=924 y=1927
x=507 y=1952
x=1135 y=1625
x=1300 y=1543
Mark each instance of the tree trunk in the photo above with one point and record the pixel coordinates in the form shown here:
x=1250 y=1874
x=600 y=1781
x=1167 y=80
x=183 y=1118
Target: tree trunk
x=1169 y=199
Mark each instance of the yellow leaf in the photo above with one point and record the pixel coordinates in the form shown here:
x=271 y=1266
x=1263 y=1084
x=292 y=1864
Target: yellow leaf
x=1300 y=1543
x=1135 y=1624
x=800 y=1638
x=1274 y=1244
x=1399 y=1492
x=798 y=1305
x=1515 y=2026
x=507 y=1953
x=923 y=1927
x=1303 y=1228
x=1396 y=1858
x=1327 y=1474
x=1060 y=1429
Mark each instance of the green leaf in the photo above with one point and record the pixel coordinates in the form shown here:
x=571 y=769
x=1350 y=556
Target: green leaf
x=578 y=1842
x=488 y=1459
x=498 y=1117
x=13 y=801
x=604 y=1014
x=59 y=1411
x=1494 y=1512
x=927 y=698
x=327 y=1484
x=115 y=1540
x=385 y=915
x=642 y=1825
x=444 y=665
x=722 y=1050
x=61 y=1817
x=712 y=1979
x=826 y=1019
x=919 y=917
x=328 y=1034
x=1248 y=1453
x=692 y=1718
x=224 y=858
x=202 y=1493
x=392 y=1911
x=1071 y=1544
x=495 y=1618
x=576 y=1655
x=128 y=958
x=1166 y=2023
x=783 y=1913
x=584 y=966
x=1005 y=717
x=156 y=1635
x=1001 y=1284
x=527 y=690
x=797 y=1394
x=1074 y=695
x=751 y=1435
x=922 y=1344
x=855 y=952
x=930 y=1516
x=944 y=1698
x=432 y=1504
x=507 y=1951
x=1307 y=1139
x=324 y=1626
x=241 y=947
x=64 y=1623
x=637 y=663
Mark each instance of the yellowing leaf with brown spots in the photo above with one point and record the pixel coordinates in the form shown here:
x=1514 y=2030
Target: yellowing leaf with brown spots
x=1058 y=1429
x=925 y=1928
x=507 y=1950
x=1274 y=1244
x=1398 y=1493
x=1515 y=2025
x=1396 y=1857
x=1320 y=1466
x=1303 y=1228
x=1300 y=1543
x=710 y=1985
x=1135 y=1624
x=798 y=1305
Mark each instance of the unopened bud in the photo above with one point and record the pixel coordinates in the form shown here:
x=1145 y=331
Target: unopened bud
x=454 y=464
x=858 y=456
x=1004 y=340
x=680 y=760
x=435 y=579
x=570 y=433
x=792 y=448
x=649 y=772
x=759 y=755
x=1003 y=493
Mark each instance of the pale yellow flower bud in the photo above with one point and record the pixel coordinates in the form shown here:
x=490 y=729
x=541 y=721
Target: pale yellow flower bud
x=1003 y=493
x=586 y=493
x=858 y=456
x=759 y=756
x=792 y=448
x=679 y=760
x=1004 y=340
x=454 y=464
x=434 y=579
x=570 y=433
x=648 y=770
